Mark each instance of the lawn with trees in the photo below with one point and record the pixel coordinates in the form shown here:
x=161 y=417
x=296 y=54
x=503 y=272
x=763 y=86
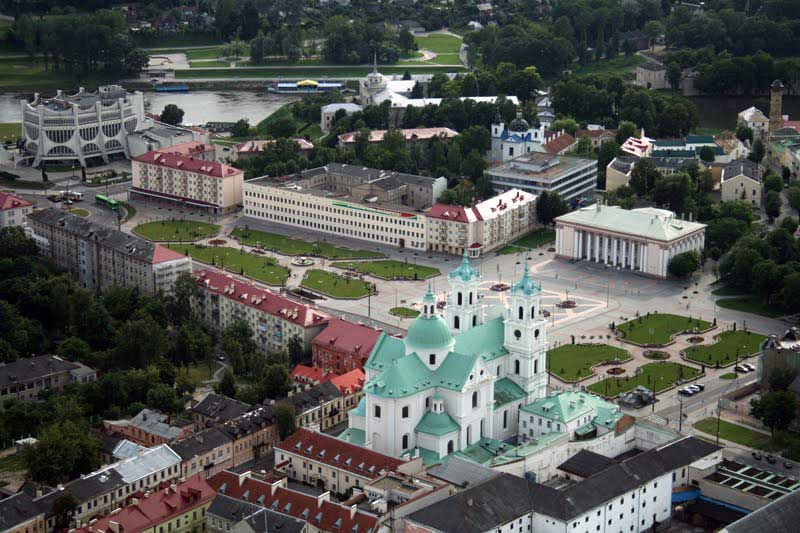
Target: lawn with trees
x=729 y=346
x=176 y=230
x=572 y=362
x=288 y=246
x=658 y=328
x=534 y=239
x=654 y=376
x=390 y=269
x=735 y=433
x=264 y=269
x=336 y=286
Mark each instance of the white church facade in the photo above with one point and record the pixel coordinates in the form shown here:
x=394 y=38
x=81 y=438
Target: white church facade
x=457 y=378
x=516 y=139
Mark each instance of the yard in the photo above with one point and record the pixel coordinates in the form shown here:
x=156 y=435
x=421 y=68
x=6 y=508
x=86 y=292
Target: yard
x=264 y=269
x=534 y=239
x=390 y=269
x=750 y=304
x=176 y=230
x=439 y=43
x=197 y=374
x=735 y=433
x=652 y=375
x=12 y=463
x=659 y=328
x=572 y=362
x=618 y=65
x=289 y=246
x=79 y=212
x=334 y=285
x=723 y=352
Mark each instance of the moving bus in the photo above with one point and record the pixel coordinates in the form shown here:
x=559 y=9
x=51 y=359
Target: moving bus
x=71 y=195
x=105 y=201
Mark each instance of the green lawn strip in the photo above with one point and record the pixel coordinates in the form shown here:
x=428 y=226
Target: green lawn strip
x=179 y=40
x=197 y=374
x=536 y=238
x=176 y=230
x=664 y=326
x=12 y=463
x=728 y=344
x=263 y=269
x=130 y=209
x=20 y=184
x=334 y=285
x=724 y=290
x=439 y=43
x=660 y=376
x=750 y=304
x=390 y=269
x=446 y=59
x=572 y=362
x=404 y=312
x=9 y=131
x=617 y=65
x=23 y=74
x=325 y=71
x=289 y=246
x=215 y=52
x=735 y=433
x=209 y=64
x=729 y=375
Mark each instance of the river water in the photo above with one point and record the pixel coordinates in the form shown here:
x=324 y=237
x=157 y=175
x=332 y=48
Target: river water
x=721 y=112
x=199 y=106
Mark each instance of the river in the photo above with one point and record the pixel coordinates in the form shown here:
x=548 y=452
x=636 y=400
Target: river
x=199 y=106
x=721 y=113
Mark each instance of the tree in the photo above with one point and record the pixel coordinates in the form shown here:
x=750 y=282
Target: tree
x=14 y=243
x=295 y=349
x=63 y=507
x=776 y=410
x=625 y=130
x=567 y=124
x=241 y=128
x=406 y=42
x=172 y=114
x=758 y=151
x=238 y=345
x=773 y=182
x=744 y=133
x=162 y=397
x=473 y=165
x=684 y=264
x=469 y=85
x=644 y=177
x=63 y=451
x=653 y=29
x=227 y=385
x=284 y=418
x=284 y=126
x=780 y=378
x=550 y=205
x=772 y=204
x=75 y=349
x=790 y=224
x=707 y=154
x=259 y=48
x=790 y=294
x=674 y=74
x=793 y=195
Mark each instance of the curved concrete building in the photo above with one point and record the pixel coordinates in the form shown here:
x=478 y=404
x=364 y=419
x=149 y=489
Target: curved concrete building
x=85 y=125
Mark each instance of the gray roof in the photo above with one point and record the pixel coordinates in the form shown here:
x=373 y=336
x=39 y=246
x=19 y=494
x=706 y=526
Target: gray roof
x=220 y=407
x=363 y=174
x=232 y=509
x=151 y=460
x=200 y=443
x=125 y=449
x=623 y=163
x=250 y=422
x=462 y=472
x=671 y=162
x=261 y=520
x=153 y=422
x=33 y=368
x=314 y=397
x=652 y=65
x=586 y=463
x=17 y=509
x=781 y=515
x=130 y=245
x=646 y=222
x=333 y=108
x=743 y=167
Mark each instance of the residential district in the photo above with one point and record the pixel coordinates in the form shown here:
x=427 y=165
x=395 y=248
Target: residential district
x=471 y=267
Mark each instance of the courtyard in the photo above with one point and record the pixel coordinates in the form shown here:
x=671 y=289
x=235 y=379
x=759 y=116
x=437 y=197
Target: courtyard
x=729 y=346
x=176 y=230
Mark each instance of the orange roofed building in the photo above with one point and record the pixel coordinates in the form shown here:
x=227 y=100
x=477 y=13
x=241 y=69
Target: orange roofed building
x=343 y=346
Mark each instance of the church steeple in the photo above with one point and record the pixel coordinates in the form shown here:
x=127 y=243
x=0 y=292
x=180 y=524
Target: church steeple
x=429 y=303
x=464 y=310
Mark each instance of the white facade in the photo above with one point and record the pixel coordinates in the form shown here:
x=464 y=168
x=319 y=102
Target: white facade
x=13 y=210
x=328 y=113
x=516 y=139
x=81 y=126
x=536 y=172
x=643 y=240
x=755 y=119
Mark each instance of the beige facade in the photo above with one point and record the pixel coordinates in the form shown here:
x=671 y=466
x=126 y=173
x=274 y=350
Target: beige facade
x=643 y=240
x=618 y=172
x=741 y=187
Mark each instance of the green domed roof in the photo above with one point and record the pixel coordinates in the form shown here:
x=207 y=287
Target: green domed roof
x=428 y=333
x=526 y=285
x=464 y=270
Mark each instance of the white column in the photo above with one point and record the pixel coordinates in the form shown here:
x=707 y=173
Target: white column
x=589 y=237
x=575 y=237
x=614 y=244
x=597 y=247
x=605 y=249
x=580 y=244
x=624 y=253
x=644 y=261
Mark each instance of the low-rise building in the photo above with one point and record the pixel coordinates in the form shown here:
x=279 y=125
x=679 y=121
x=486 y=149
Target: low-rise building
x=597 y=135
x=351 y=385
x=184 y=180
x=741 y=180
x=275 y=320
x=251 y=149
x=253 y=434
x=101 y=257
x=558 y=143
x=755 y=119
x=149 y=428
x=643 y=240
x=343 y=346
x=216 y=408
x=410 y=135
x=579 y=414
x=652 y=75
x=670 y=165
x=483 y=227
x=319 y=407
x=328 y=114
x=637 y=147
x=572 y=178
x=618 y=171
x=205 y=453
x=229 y=514
x=26 y=378
x=332 y=464
x=19 y=513
x=13 y=210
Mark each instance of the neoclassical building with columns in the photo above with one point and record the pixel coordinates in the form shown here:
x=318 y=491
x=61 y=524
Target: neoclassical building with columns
x=643 y=240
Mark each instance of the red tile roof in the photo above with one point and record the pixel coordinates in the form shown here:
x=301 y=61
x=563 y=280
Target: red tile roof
x=309 y=374
x=351 y=382
x=157 y=507
x=339 y=454
x=794 y=124
x=9 y=201
x=558 y=143
x=450 y=212
x=323 y=514
x=348 y=337
x=414 y=134
x=486 y=210
x=187 y=149
x=249 y=147
x=162 y=254
x=181 y=162
x=268 y=302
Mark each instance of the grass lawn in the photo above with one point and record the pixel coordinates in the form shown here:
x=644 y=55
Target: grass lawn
x=334 y=285
x=176 y=40
x=391 y=269
x=534 y=239
x=80 y=212
x=729 y=375
x=288 y=246
x=308 y=72
x=446 y=59
x=653 y=375
x=19 y=184
x=22 y=74
x=572 y=362
x=209 y=64
x=735 y=433
x=205 y=53
x=263 y=269
x=439 y=43
x=618 y=65
x=176 y=230
x=197 y=374
x=130 y=209
x=404 y=312
x=12 y=463
x=750 y=304
x=663 y=326
x=724 y=290
x=724 y=351
x=9 y=131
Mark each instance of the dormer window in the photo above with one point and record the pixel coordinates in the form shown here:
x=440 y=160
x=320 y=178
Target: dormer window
x=432 y=359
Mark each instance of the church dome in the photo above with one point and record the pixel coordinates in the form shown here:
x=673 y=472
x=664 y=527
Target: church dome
x=519 y=123
x=428 y=333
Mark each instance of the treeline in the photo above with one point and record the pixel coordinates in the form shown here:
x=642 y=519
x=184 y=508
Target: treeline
x=724 y=74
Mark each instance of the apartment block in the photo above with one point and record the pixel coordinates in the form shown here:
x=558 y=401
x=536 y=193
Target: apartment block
x=13 y=210
x=25 y=379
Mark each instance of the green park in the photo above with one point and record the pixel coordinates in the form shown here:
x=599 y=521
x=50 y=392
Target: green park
x=573 y=362
x=654 y=376
x=334 y=285
x=264 y=269
x=735 y=433
x=176 y=230
x=659 y=328
x=390 y=269
x=404 y=312
x=288 y=246
x=729 y=346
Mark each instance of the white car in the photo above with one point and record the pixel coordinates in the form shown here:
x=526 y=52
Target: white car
x=749 y=367
x=694 y=388
x=741 y=369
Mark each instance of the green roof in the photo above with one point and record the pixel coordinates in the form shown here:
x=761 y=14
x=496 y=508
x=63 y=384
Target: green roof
x=697 y=139
x=454 y=370
x=387 y=348
x=506 y=391
x=361 y=408
x=484 y=450
x=485 y=340
x=437 y=424
x=673 y=152
x=403 y=377
x=669 y=143
x=464 y=270
x=429 y=333
x=429 y=457
x=585 y=430
x=353 y=436
x=569 y=405
x=491 y=452
x=526 y=285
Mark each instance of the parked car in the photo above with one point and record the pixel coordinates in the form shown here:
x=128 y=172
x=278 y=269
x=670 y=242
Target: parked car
x=770 y=459
x=694 y=388
x=756 y=456
x=700 y=386
x=788 y=465
x=749 y=367
x=741 y=369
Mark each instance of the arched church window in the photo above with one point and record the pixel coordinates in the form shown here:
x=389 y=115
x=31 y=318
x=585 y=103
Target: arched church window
x=517 y=334
x=474 y=320
x=377 y=411
x=450 y=447
x=505 y=419
x=521 y=313
x=475 y=399
x=405 y=411
x=533 y=312
x=456 y=322
x=536 y=366
x=432 y=359
x=460 y=298
x=405 y=442
x=470 y=297
x=516 y=367
x=536 y=334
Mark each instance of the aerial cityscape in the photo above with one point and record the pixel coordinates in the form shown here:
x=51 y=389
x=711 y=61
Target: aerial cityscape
x=402 y=266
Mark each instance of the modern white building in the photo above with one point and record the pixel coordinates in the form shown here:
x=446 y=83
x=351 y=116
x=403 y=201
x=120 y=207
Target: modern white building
x=573 y=178
x=457 y=378
x=82 y=126
x=643 y=240
x=13 y=210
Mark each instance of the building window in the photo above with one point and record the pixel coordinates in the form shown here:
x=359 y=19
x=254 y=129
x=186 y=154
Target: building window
x=405 y=442
x=456 y=322
x=521 y=313
x=377 y=411
x=474 y=400
x=432 y=359
x=460 y=298
x=516 y=367
x=405 y=411
x=505 y=419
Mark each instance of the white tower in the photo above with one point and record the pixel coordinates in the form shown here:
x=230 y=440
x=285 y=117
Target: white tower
x=463 y=310
x=497 y=138
x=525 y=337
